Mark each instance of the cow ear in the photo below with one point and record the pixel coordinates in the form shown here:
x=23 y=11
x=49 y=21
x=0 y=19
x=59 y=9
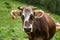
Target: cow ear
x=13 y=17
x=15 y=13
x=34 y=12
x=38 y=12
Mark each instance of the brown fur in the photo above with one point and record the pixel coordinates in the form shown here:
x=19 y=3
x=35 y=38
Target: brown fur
x=43 y=28
x=51 y=24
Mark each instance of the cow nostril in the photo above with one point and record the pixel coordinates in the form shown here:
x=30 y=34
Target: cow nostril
x=27 y=28
x=30 y=29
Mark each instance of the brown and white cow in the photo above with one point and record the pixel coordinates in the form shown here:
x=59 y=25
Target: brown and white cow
x=37 y=24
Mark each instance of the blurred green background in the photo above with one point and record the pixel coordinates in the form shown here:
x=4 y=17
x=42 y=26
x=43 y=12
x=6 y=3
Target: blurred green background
x=13 y=29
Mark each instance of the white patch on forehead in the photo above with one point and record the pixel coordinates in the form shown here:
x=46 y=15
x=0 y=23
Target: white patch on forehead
x=27 y=13
x=27 y=16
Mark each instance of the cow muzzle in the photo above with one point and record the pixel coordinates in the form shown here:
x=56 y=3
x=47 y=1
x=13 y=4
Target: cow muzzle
x=27 y=27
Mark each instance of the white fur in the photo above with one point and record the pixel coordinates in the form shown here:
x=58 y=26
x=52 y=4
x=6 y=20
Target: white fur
x=27 y=16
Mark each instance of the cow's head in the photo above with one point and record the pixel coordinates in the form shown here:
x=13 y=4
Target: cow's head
x=28 y=15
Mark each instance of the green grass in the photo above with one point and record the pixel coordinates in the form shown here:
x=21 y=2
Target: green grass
x=12 y=29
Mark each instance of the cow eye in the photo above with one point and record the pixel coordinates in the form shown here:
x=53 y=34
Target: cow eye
x=31 y=17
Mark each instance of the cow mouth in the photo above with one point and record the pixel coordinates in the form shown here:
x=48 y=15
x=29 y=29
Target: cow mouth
x=28 y=30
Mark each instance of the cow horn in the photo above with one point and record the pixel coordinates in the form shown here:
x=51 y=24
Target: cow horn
x=33 y=7
x=21 y=8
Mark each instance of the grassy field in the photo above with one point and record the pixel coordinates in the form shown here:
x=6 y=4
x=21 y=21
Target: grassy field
x=12 y=29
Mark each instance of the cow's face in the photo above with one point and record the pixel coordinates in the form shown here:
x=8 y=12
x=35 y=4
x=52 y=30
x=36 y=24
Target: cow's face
x=27 y=16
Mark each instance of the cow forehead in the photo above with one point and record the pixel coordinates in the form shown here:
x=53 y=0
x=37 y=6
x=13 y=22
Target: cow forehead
x=27 y=11
x=28 y=8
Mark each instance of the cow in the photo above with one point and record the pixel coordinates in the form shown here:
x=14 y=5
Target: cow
x=37 y=24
